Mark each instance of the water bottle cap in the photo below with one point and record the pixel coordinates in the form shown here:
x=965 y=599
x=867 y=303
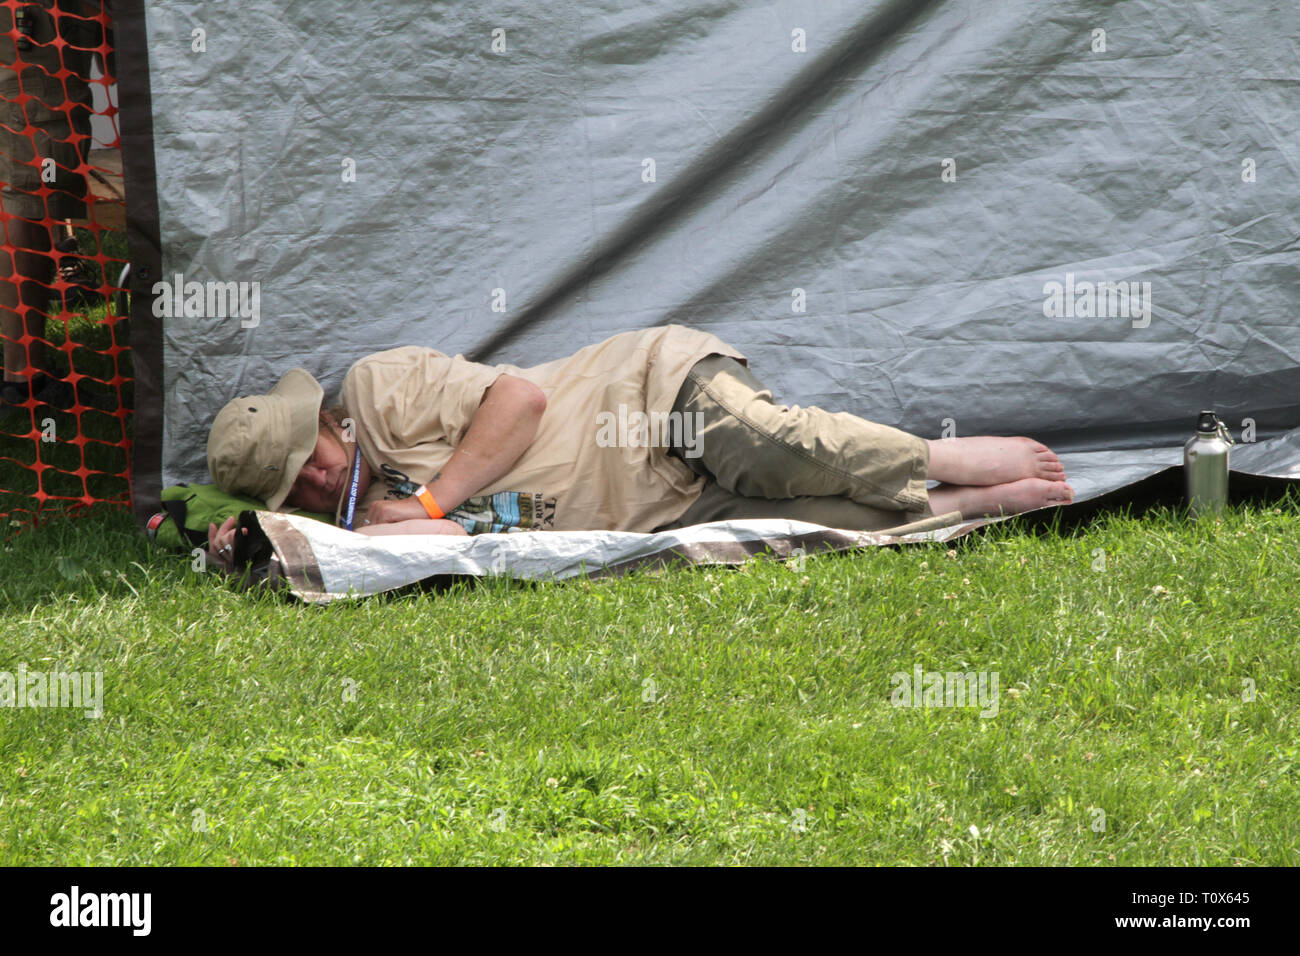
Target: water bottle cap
x=1208 y=422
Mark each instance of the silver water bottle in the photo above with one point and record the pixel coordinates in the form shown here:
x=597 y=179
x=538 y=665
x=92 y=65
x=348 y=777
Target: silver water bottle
x=1205 y=462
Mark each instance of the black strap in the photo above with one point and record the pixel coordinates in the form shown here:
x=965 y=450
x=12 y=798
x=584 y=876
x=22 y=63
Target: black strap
x=177 y=509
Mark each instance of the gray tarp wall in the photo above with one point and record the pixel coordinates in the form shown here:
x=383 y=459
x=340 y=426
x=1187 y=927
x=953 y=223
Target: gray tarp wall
x=507 y=145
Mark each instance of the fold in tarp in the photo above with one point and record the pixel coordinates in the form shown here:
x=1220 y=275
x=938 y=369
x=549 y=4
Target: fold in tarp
x=1073 y=220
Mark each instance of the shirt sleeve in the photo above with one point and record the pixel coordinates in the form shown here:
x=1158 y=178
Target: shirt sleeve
x=412 y=396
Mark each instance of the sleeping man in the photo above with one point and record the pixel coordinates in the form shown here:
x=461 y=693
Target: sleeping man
x=646 y=431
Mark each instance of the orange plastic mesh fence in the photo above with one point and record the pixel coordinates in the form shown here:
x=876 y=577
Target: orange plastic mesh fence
x=64 y=419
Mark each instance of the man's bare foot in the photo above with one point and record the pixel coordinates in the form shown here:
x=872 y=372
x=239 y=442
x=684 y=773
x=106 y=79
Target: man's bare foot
x=1008 y=498
x=991 y=460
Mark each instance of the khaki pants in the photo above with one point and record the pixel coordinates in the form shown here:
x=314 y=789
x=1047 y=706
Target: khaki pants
x=763 y=460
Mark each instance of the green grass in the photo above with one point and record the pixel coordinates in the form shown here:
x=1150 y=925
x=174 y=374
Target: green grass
x=511 y=723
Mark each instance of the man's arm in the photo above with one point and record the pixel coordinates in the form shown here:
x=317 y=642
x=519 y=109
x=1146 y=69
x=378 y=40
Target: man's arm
x=414 y=526
x=498 y=435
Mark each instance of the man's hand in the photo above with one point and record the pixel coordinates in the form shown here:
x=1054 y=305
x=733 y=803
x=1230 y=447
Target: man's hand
x=388 y=512
x=414 y=526
x=221 y=541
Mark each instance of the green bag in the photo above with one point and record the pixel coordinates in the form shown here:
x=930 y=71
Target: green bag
x=189 y=509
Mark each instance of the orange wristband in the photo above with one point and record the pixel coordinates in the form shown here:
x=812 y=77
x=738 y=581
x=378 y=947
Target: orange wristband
x=425 y=498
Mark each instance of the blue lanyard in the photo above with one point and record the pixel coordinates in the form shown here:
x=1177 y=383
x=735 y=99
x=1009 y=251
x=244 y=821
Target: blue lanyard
x=350 y=514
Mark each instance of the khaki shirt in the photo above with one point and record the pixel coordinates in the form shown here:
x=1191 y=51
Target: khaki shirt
x=589 y=468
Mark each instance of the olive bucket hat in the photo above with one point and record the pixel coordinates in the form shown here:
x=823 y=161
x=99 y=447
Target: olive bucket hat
x=259 y=443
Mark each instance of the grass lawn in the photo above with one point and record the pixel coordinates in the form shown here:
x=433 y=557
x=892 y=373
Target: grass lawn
x=1149 y=676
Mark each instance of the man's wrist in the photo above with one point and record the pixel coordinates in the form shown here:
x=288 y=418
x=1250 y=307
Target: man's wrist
x=428 y=503
x=450 y=495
